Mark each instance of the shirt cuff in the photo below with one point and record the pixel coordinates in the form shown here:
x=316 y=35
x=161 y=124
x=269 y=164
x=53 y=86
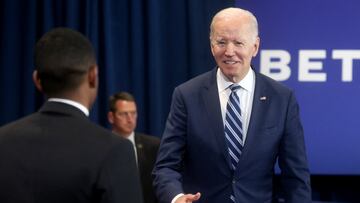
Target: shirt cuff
x=176 y=197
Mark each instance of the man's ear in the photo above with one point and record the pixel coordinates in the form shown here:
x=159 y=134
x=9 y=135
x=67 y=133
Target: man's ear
x=256 y=46
x=110 y=117
x=37 y=80
x=93 y=76
x=211 y=47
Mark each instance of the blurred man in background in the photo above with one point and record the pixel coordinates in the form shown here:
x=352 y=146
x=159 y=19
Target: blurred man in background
x=123 y=118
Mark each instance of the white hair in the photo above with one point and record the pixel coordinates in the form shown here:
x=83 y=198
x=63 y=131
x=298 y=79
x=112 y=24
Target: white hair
x=236 y=12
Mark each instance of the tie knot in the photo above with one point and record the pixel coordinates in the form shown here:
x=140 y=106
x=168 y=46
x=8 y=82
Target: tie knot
x=234 y=87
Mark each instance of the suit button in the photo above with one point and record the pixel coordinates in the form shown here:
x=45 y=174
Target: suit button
x=233 y=181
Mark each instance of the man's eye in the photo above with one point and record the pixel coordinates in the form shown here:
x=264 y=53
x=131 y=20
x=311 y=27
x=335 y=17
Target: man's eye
x=220 y=43
x=122 y=114
x=239 y=44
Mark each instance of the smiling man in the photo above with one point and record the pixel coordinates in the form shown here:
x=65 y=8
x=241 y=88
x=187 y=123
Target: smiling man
x=227 y=128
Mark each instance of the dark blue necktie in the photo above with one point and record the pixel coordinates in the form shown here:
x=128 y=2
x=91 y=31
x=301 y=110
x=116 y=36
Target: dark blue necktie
x=233 y=128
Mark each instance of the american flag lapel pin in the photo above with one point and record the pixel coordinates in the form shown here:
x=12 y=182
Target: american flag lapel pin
x=263 y=98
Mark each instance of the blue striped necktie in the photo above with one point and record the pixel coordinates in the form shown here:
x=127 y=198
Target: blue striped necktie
x=233 y=128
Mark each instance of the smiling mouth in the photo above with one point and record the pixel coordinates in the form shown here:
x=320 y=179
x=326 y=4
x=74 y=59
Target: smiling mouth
x=230 y=62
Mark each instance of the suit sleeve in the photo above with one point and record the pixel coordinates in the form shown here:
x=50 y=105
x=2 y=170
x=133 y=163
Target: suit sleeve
x=168 y=167
x=118 y=179
x=295 y=175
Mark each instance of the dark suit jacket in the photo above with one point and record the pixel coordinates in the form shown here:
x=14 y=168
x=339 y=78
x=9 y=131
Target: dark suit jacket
x=58 y=155
x=147 y=148
x=193 y=156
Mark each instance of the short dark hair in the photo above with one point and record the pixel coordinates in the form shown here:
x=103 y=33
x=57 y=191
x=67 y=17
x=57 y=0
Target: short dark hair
x=119 y=96
x=62 y=57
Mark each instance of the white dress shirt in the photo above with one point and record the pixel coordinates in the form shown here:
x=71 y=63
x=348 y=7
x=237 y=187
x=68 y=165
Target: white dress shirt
x=245 y=94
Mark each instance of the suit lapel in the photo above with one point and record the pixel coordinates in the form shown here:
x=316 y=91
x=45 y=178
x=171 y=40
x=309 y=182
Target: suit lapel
x=211 y=101
x=261 y=103
x=139 y=149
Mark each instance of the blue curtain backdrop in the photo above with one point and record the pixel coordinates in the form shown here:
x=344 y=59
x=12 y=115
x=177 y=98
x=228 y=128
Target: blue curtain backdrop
x=146 y=47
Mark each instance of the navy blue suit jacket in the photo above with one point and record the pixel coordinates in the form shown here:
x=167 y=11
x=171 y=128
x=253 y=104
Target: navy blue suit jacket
x=193 y=156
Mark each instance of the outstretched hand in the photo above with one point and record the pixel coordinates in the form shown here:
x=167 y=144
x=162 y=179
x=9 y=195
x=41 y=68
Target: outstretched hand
x=188 y=198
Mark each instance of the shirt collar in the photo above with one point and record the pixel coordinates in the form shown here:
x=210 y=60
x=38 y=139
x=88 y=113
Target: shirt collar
x=131 y=137
x=72 y=103
x=246 y=83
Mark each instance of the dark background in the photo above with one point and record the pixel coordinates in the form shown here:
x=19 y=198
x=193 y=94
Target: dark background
x=146 y=47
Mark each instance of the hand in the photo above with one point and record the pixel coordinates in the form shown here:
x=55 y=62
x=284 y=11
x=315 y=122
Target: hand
x=188 y=198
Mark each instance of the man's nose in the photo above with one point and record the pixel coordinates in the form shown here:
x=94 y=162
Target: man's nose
x=229 y=50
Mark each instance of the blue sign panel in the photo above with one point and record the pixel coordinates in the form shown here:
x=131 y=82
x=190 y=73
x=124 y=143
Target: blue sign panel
x=313 y=47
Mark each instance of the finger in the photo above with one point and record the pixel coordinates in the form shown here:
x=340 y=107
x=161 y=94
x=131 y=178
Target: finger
x=193 y=197
x=197 y=196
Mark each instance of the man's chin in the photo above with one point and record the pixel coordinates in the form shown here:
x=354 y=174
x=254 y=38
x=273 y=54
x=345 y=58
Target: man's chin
x=231 y=70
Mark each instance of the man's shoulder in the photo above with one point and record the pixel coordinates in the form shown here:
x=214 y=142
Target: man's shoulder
x=199 y=80
x=16 y=125
x=71 y=127
x=149 y=144
x=105 y=136
x=270 y=83
x=192 y=87
x=147 y=138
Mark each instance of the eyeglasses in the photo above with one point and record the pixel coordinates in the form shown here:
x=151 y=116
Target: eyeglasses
x=126 y=114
